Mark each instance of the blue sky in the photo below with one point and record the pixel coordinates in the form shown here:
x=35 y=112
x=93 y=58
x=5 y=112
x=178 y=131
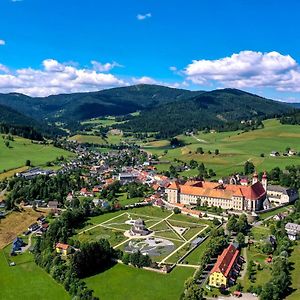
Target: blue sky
x=54 y=46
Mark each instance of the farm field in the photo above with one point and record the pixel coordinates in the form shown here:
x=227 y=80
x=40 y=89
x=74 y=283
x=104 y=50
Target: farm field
x=235 y=148
x=14 y=224
x=169 y=239
x=26 y=279
x=139 y=284
x=22 y=149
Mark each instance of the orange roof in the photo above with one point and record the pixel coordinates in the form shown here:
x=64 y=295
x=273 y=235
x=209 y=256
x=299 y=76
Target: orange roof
x=217 y=190
x=62 y=246
x=226 y=260
x=174 y=185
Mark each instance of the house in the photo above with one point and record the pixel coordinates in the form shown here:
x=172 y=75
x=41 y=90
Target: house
x=63 y=249
x=226 y=268
x=292 y=152
x=17 y=245
x=292 y=230
x=2 y=204
x=53 y=204
x=274 y=153
x=127 y=177
x=33 y=227
x=281 y=195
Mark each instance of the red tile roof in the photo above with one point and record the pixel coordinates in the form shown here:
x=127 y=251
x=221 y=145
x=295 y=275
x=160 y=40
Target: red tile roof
x=62 y=246
x=217 y=190
x=226 y=260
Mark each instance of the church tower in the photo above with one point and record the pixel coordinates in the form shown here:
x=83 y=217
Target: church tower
x=254 y=178
x=264 y=180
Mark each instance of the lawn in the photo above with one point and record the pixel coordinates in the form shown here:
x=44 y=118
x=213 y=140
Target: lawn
x=295 y=273
x=26 y=280
x=112 y=227
x=274 y=212
x=260 y=233
x=235 y=148
x=22 y=149
x=194 y=258
x=261 y=276
x=124 y=282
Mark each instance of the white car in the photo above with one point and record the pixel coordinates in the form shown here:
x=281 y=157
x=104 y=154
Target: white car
x=12 y=264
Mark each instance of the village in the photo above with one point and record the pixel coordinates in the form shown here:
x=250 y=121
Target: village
x=210 y=227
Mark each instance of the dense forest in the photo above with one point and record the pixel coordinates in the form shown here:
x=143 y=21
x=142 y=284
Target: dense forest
x=292 y=119
x=221 y=109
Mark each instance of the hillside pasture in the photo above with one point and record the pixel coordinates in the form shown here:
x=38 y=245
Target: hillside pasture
x=26 y=280
x=235 y=149
x=21 y=149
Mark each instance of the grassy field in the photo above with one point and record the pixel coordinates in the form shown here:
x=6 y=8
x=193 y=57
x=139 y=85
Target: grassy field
x=295 y=273
x=26 y=280
x=124 y=282
x=235 y=148
x=22 y=149
x=14 y=224
x=94 y=139
x=161 y=223
x=261 y=276
x=105 y=122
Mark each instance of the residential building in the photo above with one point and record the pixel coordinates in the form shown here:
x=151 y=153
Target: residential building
x=281 y=195
x=63 y=249
x=293 y=231
x=226 y=268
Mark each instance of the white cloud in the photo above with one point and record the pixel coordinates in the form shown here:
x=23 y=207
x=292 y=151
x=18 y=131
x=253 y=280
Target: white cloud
x=55 y=78
x=144 y=80
x=2 y=42
x=106 y=67
x=247 y=69
x=141 y=17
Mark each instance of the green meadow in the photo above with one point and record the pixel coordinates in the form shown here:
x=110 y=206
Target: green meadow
x=21 y=149
x=124 y=282
x=235 y=148
x=26 y=280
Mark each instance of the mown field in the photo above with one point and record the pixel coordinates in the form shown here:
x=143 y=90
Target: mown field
x=94 y=139
x=26 y=280
x=235 y=148
x=124 y=282
x=21 y=149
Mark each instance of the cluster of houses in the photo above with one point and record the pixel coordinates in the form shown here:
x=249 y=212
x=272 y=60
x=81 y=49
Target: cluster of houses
x=290 y=152
x=39 y=227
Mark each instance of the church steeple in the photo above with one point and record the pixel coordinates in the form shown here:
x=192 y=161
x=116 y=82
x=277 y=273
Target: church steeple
x=264 y=180
x=254 y=178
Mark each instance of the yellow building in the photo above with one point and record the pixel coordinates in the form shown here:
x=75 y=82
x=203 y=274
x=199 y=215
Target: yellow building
x=63 y=249
x=222 y=274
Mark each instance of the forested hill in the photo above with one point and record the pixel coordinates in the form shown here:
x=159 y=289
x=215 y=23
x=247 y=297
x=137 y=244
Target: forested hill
x=165 y=110
x=219 y=109
x=15 y=123
x=81 y=106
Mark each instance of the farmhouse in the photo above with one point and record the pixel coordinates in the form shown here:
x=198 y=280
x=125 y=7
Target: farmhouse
x=227 y=196
x=226 y=268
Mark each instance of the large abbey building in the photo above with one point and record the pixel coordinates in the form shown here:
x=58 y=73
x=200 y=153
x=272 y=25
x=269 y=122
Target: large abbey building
x=227 y=196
